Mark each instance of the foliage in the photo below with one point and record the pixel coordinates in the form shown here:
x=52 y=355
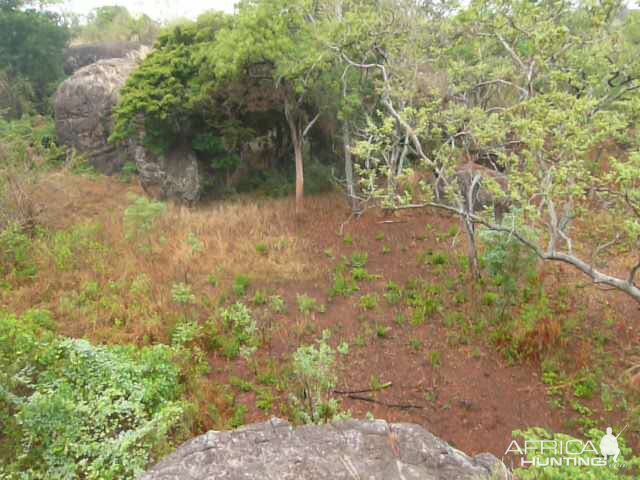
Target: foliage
x=626 y=469
x=314 y=372
x=140 y=218
x=307 y=304
x=114 y=23
x=16 y=256
x=240 y=285
x=181 y=293
x=534 y=93
x=241 y=332
x=32 y=44
x=71 y=409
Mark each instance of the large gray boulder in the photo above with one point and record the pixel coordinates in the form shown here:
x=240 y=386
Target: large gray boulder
x=83 y=110
x=176 y=175
x=353 y=450
x=78 y=56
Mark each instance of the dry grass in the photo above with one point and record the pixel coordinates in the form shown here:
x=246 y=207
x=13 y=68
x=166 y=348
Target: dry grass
x=109 y=289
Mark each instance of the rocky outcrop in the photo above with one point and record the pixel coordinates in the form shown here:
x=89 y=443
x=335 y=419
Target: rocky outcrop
x=83 y=110
x=78 y=56
x=351 y=450
x=176 y=176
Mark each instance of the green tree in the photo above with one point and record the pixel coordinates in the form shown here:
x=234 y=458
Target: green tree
x=279 y=41
x=32 y=43
x=535 y=89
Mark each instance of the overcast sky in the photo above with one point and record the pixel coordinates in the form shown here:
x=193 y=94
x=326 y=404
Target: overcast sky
x=157 y=9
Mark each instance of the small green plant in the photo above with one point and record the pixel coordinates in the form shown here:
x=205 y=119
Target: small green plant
x=241 y=330
x=181 y=294
x=393 y=293
x=16 y=253
x=308 y=305
x=314 y=372
x=379 y=236
x=343 y=286
x=382 y=331
x=360 y=274
x=435 y=359
x=140 y=219
x=348 y=239
x=213 y=280
x=359 y=259
x=277 y=304
x=241 y=384
x=185 y=333
x=415 y=344
x=343 y=348
x=262 y=248
x=368 y=301
x=239 y=416
x=260 y=298
x=265 y=399
x=129 y=169
x=386 y=249
x=489 y=299
x=241 y=284
x=195 y=244
x=431 y=258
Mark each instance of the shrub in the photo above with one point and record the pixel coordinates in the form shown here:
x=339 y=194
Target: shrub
x=181 y=294
x=16 y=253
x=343 y=286
x=393 y=293
x=314 y=373
x=140 y=218
x=307 y=304
x=241 y=331
x=359 y=259
x=369 y=301
x=241 y=284
x=73 y=410
x=277 y=304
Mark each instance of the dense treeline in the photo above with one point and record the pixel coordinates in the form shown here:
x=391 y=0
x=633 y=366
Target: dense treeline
x=505 y=107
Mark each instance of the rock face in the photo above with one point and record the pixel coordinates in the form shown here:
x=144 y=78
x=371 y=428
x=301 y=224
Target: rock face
x=176 y=175
x=353 y=450
x=79 y=56
x=83 y=105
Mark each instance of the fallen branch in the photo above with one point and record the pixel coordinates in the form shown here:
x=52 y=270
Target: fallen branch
x=366 y=390
x=401 y=406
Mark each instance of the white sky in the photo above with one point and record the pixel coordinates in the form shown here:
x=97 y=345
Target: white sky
x=156 y=9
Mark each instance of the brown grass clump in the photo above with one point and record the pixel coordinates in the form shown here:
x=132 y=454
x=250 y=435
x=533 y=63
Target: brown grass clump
x=105 y=287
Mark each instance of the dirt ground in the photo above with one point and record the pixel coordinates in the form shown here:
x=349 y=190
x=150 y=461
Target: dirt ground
x=462 y=391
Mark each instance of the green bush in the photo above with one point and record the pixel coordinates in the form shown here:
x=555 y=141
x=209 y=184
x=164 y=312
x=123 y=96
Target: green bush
x=314 y=373
x=240 y=332
x=16 y=253
x=140 y=218
x=73 y=410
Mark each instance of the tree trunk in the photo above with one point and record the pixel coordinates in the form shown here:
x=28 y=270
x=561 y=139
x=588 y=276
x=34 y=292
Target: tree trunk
x=297 y=139
x=298 y=153
x=348 y=166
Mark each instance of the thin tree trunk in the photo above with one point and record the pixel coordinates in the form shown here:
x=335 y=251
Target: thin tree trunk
x=348 y=165
x=298 y=154
x=297 y=138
